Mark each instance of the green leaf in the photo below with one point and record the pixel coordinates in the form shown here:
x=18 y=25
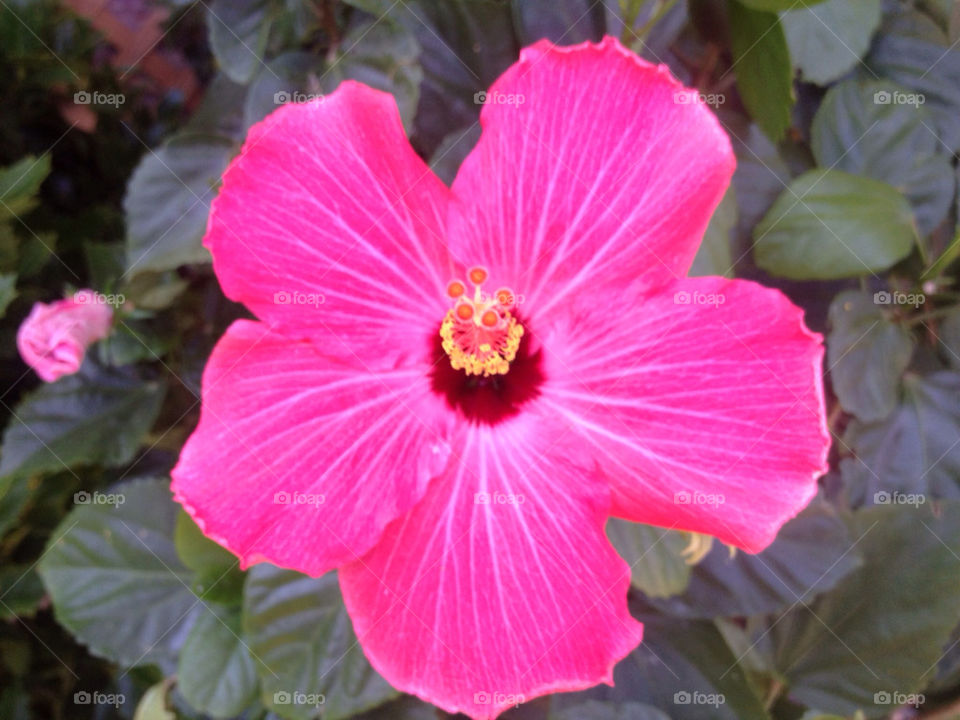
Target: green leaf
x=829 y=224
x=300 y=630
x=153 y=704
x=714 y=256
x=196 y=550
x=911 y=50
x=95 y=416
x=383 y=55
x=827 y=40
x=684 y=667
x=762 y=66
x=168 y=200
x=657 y=567
x=914 y=450
x=870 y=635
x=8 y=291
x=810 y=555
x=19 y=183
x=862 y=128
x=217 y=674
x=950 y=338
x=779 y=5
x=867 y=354
x=595 y=710
x=239 y=30
x=20 y=591
x=115 y=578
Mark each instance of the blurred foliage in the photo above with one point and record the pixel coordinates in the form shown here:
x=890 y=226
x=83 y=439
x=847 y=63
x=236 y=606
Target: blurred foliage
x=845 y=117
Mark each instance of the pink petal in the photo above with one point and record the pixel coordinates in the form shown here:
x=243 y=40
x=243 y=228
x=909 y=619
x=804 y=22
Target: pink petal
x=53 y=339
x=328 y=224
x=300 y=460
x=475 y=606
x=703 y=404
x=594 y=168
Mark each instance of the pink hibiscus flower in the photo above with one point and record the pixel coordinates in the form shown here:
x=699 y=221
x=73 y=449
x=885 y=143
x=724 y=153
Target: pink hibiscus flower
x=54 y=337
x=449 y=390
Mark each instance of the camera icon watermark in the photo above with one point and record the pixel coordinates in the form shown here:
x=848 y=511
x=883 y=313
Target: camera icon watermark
x=85 y=97
x=98 y=498
x=895 y=497
x=298 y=498
x=884 y=697
x=696 y=297
x=692 y=97
x=495 y=97
x=98 y=298
x=82 y=697
x=284 y=297
x=498 y=698
x=684 y=697
x=697 y=497
x=284 y=97
x=498 y=498
x=885 y=97
x=295 y=697
x=896 y=297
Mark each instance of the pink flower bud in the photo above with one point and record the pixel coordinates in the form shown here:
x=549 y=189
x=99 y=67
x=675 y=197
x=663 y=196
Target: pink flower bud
x=54 y=337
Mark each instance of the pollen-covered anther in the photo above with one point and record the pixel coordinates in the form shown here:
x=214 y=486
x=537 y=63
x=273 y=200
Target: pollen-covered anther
x=479 y=335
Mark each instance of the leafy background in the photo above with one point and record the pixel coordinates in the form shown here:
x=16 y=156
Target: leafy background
x=838 y=196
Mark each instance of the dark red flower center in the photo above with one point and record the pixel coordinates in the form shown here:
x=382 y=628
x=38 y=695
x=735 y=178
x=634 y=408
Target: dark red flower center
x=480 y=364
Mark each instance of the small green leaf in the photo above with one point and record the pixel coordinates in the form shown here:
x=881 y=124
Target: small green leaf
x=153 y=704
x=915 y=449
x=762 y=66
x=168 y=200
x=862 y=127
x=239 y=30
x=866 y=354
x=657 y=566
x=115 y=578
x=827 y=40
x=196 y=550
x=300 y=630
x=714 y=256
x=95 y=416
x=19 y=184
x=829 y=224
x=217 y=674
x=874 y=633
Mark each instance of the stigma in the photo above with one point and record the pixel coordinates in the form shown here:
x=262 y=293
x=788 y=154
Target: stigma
x=478 y=333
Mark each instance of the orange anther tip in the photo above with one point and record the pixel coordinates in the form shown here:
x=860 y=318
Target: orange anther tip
x=464 y=311
x=477 y=275
x=490 y=318
x=505 y=297
x=455 y=289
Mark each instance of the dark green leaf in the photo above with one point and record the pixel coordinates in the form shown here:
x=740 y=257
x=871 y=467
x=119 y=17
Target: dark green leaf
x=862 y=127
x=657 y=566
x=8 y=290
x=762 y=66
x=168 y=199
x=20 y=591
x=95 y=416
x=596 y=710
x=913 y=451
x=950 y=338
x=300 y=630
x=886 y=624
x=828 y=39
x=238 y=34
x=217 y=674
x=196 y=550
x=830 y=224
x=912 y=51
x=866 y=354
x=810 y=555
x=115 y=578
